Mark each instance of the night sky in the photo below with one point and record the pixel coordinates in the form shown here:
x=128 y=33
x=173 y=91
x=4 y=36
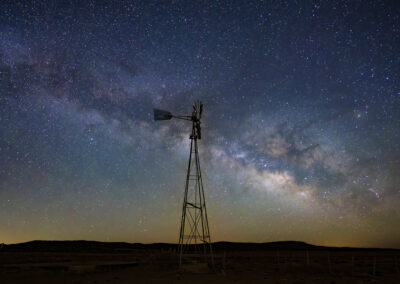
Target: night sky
x=300 y=129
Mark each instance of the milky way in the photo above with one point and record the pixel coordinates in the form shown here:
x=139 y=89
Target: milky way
x=300 y=128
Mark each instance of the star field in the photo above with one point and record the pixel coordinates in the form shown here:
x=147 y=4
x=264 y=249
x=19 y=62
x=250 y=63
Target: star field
x=300 y=128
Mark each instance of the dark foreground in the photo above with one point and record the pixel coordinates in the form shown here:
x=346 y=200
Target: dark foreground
x=282 y=262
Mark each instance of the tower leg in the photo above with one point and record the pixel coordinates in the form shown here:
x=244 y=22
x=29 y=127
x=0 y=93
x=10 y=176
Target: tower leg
x=194 y=235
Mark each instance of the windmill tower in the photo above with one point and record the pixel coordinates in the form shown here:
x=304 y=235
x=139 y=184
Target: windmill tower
x=194 y=234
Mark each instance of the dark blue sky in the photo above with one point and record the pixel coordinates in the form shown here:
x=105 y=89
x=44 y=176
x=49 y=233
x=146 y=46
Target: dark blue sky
x=301 y=119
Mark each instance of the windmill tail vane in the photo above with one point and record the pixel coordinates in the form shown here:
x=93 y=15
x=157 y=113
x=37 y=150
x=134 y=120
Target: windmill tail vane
x=162 y=114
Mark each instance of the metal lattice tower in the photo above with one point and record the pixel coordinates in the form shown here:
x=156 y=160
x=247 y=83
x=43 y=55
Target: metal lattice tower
x=194 y=234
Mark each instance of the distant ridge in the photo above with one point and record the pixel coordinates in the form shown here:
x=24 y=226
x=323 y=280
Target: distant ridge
x=123 y=247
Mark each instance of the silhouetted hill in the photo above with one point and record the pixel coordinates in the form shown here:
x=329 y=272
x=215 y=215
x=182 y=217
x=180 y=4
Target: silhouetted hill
x=72 y=246
x=283 y=245
x=121 y=247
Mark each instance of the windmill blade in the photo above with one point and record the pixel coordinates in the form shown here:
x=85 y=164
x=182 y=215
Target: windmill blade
x=162 y=114
x=201 y=109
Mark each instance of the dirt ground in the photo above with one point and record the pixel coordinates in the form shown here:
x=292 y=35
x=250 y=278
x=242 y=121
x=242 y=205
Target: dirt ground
x=160 y=266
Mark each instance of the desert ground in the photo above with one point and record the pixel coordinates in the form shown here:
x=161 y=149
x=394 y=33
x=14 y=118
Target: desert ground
x=280 y=262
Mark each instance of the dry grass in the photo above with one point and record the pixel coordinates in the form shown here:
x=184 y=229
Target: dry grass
x=159 y=266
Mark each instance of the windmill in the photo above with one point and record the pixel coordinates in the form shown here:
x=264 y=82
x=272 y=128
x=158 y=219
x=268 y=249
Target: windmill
x=194 y=234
